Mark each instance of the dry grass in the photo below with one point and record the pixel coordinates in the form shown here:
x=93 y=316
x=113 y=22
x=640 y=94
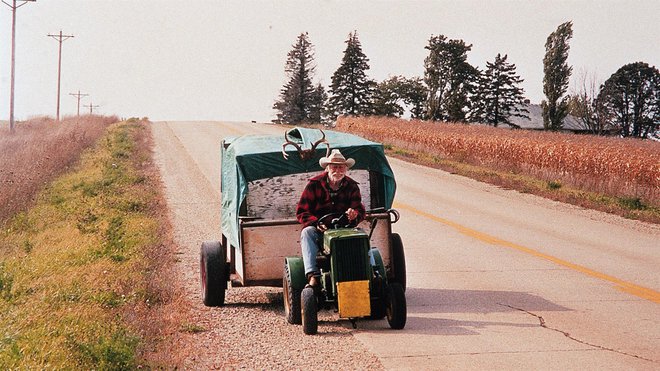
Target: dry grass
x=38 y=151
x=628 y=169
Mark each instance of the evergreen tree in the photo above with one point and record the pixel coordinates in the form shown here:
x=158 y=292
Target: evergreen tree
x=317 y=104
x=297 y=96
x=351 y=91
x=630 y=99
x=499 y=96
x=555 y=79
x=450 y=79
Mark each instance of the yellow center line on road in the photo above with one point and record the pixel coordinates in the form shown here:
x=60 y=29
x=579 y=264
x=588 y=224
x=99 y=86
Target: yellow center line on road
x=631 y=288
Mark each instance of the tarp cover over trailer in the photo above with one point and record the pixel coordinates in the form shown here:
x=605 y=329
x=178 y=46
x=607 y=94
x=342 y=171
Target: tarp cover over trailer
x=252 y=157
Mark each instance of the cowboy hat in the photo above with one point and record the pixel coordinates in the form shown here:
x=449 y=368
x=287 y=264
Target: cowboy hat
x=336 y=158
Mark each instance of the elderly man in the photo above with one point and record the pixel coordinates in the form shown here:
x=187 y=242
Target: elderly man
x=329 y=192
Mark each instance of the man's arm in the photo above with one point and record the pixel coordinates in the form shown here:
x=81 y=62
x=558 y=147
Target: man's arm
x=305 y=207
x=356 y=204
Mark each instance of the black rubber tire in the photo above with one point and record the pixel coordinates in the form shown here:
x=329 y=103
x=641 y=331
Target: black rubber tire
x=213 y=273
x=398 y=260
x=397 y=311
x=310 y=319
x=292 y=310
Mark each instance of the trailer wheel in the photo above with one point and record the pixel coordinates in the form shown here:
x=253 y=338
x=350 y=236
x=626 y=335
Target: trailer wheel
x=292 y=310
x=396 y=306
x=213 y=273
x=398 y=260
x=310 y=319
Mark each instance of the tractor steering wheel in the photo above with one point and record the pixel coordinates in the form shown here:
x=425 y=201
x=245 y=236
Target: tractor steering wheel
x=336 y=220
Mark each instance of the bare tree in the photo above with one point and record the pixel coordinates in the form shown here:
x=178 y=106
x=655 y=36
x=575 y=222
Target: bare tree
x=582 y=103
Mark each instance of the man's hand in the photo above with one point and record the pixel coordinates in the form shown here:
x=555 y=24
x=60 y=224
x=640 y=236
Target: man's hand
x=352 y=214
x=321 y=227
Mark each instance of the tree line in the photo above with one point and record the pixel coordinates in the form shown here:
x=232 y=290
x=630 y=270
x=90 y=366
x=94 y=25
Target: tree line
x=453 y=90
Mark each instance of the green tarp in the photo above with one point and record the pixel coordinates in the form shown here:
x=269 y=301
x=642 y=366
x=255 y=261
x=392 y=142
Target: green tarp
x=253 y=157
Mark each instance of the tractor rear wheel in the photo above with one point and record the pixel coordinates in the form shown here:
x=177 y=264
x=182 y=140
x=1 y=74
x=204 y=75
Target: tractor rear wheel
x=310 y=319
x=398 y=259
x=292 y=310
x=396 y=306
x=213 y=273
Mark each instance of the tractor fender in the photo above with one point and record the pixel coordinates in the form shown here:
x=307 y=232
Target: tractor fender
x=297 y=270
x=377 y=262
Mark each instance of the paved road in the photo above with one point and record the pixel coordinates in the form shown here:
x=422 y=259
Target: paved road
x=497 y=279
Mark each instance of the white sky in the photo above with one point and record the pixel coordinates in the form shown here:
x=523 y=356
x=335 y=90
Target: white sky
x=224 y=60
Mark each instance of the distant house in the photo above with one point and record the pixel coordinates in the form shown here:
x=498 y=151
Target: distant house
x=571 y=123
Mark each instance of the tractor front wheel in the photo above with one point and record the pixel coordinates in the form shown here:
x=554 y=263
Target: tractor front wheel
x=310 y=319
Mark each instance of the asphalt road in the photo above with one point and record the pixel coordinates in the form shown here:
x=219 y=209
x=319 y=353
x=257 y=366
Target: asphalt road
x=496 y=279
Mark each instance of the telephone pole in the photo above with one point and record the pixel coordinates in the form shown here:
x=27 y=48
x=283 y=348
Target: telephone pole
x=13 y=59
x=79 y=96
x=91 y=107
x=60 y=38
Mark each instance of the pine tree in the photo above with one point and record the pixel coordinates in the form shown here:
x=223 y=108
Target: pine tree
x=351 y=91
x=450 y=79
x=317 y=104
x=499 y=95
x=297 y=97
x=556 y=74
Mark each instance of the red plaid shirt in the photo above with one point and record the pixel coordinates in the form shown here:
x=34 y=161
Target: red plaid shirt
x=316 y=202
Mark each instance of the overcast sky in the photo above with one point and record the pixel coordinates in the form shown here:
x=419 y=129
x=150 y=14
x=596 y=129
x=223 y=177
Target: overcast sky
x=224 y=60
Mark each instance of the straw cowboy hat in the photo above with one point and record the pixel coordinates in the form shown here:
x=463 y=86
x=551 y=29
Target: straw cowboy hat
x=336 y=158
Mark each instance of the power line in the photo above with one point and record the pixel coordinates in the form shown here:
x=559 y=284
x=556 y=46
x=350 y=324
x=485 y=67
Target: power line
x=60 y=38
x=91 y=107
x=79 y=96
x=13 y=59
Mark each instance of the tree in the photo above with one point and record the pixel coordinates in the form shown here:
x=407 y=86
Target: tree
x=351 y=91
x=582 y=105
x=556 y=73
x=298 y=97
x=317 y=104
x=630 y=99
x=450 y=79
x=499 y=95
x=396 y=94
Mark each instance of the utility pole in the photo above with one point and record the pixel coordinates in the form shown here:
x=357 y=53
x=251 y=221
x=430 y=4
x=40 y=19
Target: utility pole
x=91 y=107
x=60 y=38
x=78 y=96
x=13 y=59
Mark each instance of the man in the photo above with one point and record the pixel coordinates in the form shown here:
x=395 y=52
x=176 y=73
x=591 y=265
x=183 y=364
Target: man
x=329 y=192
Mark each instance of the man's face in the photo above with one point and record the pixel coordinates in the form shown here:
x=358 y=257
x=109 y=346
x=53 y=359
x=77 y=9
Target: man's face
x=336 y=172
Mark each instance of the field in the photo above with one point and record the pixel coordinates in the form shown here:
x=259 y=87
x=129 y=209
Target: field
x=626 y=169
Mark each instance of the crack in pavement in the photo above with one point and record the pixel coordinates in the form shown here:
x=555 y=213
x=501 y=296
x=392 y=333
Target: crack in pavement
x=568 y=335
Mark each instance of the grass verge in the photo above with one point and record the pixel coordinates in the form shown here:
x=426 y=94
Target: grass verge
x=80 y=284
x=628 y=207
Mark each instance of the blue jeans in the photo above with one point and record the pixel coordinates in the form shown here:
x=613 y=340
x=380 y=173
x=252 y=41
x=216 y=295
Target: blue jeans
x=310 y=240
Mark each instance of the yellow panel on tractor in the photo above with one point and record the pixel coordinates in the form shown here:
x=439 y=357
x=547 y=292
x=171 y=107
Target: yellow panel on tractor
x=353 y=299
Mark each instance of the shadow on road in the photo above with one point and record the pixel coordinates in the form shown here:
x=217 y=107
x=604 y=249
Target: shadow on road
x=475 y=301
x=461 y=312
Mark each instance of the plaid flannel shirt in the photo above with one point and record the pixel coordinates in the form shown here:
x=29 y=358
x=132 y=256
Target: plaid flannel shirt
x=315 y=201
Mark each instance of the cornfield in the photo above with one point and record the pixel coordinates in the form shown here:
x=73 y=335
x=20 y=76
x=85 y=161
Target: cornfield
x=615 y=166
